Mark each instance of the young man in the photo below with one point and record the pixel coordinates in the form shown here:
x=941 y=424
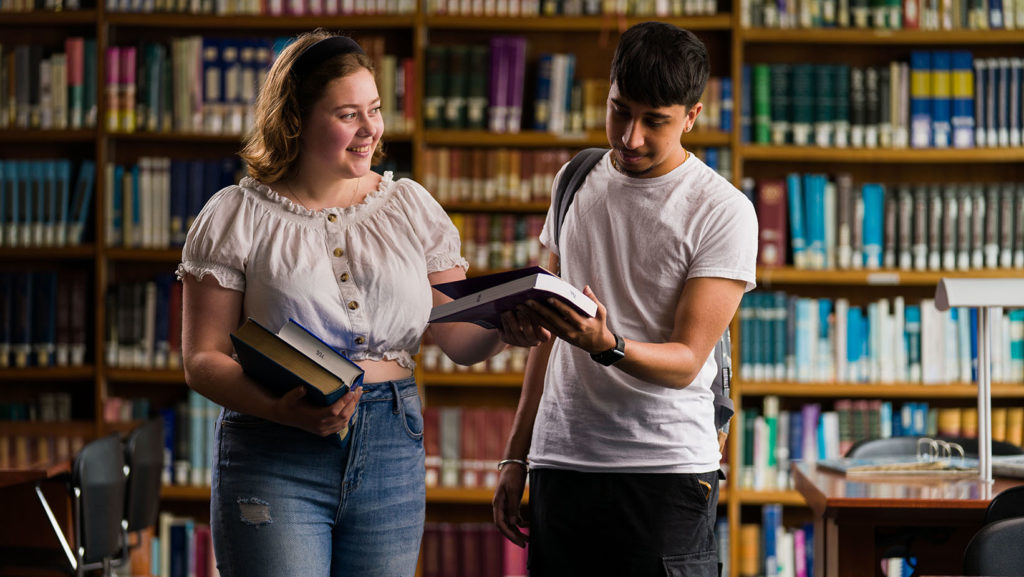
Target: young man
x=615 y=425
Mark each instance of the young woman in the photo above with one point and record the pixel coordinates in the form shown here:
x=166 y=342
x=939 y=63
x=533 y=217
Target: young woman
x=313 y=234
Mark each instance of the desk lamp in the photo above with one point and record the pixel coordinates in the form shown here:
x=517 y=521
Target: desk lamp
x=983 y=294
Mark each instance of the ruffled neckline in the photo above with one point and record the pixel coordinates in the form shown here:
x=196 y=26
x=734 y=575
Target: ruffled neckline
x=295 y=208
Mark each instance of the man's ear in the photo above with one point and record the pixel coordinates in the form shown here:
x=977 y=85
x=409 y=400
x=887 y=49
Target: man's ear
x=691 y=116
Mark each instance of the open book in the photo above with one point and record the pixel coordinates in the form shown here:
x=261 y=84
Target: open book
x=294 y=357
x=482 y=299
x=911 y=466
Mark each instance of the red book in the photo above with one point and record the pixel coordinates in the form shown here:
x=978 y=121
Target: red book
x=514 y=559
x=470 y=550
x=432 y=445
x=772 y=223
x=430 y=551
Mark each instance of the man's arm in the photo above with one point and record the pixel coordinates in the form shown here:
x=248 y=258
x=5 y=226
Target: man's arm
x=705 y=308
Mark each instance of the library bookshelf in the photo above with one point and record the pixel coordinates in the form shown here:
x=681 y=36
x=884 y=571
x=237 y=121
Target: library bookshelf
x=734 y=45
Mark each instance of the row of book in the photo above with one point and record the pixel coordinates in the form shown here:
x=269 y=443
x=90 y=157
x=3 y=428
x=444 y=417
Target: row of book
x=462 y=444
x=884 y=14
x=152 y=204
x=45 y=406
x=197 y=84
x=43 y=318
x=45 y=202
x=639 y=8
x=813 y=221
x=43 y=88
x=821 y=340
x=936 y=99
x=469 y=549
x=21 y=450
x=773 y=549
x=143 y=328
x=492 y=175
x=294 y=8
x=774 y=437
x=510 y=360
x=500 y=241
x=39 y=5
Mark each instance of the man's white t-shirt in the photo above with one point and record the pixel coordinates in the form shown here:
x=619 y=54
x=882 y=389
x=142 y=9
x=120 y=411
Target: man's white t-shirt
x=636 y=241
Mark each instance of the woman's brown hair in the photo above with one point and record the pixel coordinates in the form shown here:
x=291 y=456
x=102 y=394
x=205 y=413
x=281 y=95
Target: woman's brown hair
x=272 y=148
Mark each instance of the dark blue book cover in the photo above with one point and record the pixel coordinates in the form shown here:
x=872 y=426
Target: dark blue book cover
x=272 y=361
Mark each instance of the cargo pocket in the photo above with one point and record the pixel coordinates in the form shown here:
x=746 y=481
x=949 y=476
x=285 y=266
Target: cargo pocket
x=702 y=564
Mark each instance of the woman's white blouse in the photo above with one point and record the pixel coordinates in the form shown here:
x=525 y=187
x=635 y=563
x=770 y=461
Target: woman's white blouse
x=356 y=276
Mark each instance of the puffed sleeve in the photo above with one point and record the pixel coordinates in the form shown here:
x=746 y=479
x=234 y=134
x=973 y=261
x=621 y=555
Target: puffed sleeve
x=219 y=241
x=437 y=234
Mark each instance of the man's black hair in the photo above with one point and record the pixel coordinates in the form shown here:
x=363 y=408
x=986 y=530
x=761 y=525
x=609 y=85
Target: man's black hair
x=659 y=64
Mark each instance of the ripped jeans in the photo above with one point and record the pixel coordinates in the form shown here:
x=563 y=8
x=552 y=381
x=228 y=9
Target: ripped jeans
x=289 y=503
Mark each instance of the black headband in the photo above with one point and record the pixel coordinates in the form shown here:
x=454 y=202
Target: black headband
x=320 y=52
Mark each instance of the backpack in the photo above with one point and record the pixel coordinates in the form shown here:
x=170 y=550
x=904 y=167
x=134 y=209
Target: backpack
x=575 y=173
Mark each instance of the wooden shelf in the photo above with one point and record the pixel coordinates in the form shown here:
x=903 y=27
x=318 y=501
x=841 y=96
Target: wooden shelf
x=966 y=156
x=19 y=136
x=45 y=18
x=155 y=376
x=259 y=22
x=880 y=277
x=820 y=36
x=55 y=428
x=785 y=498
x=169 y=255
x=35 y=374
x=503 y=206
x=185 y=493
x=48 y=253
x=569 y=23
x=875 y=390
x=537 y=139
x=468 y=379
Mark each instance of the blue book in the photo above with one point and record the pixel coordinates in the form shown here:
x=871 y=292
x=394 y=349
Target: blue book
x=81 y=201
x=962 y=113
x=542 y=94
x=912 y=334
x=38 y=193
x=779 y=304
x=748 y=318
x=178 y=201
x=6 y=320
x=771 y=525
x=115 y=208
x=295 y=357
x=170 y=419
x=941 y=99
x=196 y=192
x=63 y=177
x=920 y=99
x=814 y=220
x=50 y=203
x=44 y=317
x=21 y=321
x=872 y=240
x=797 y=236
x=796 y=435
x=26 y=203
x=725 y=122
x=197 y=438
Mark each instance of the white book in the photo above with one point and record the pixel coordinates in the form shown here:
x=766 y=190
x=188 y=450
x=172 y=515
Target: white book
x=842 y=306
x=481 y=300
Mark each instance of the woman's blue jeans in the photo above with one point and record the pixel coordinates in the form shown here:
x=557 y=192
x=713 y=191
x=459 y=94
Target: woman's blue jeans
x=289 y=503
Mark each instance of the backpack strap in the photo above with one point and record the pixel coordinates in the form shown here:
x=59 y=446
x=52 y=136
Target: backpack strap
x=572 y=178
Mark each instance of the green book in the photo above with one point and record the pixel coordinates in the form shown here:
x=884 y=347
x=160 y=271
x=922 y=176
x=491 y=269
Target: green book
x=762 y=104
x=435 y=64
x=456 y=88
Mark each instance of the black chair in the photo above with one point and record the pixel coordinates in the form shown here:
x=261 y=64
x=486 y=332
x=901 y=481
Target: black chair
x=906 y=446
x=1006 y=505
x=97 y=490
x=995 y=549
x=144 y=457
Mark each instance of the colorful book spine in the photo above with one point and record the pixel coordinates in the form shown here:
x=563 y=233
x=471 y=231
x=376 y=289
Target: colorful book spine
x=920 y=99
x=962 y=113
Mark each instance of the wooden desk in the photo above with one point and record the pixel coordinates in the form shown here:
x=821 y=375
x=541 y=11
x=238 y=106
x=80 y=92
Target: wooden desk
x=856 y=519
x=27 y=529
x=33 y=472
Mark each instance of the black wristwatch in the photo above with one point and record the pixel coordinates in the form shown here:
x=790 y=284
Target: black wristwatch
x=613 y=354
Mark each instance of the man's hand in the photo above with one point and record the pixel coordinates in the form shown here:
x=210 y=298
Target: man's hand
x=588 y=333
x=506 y=506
